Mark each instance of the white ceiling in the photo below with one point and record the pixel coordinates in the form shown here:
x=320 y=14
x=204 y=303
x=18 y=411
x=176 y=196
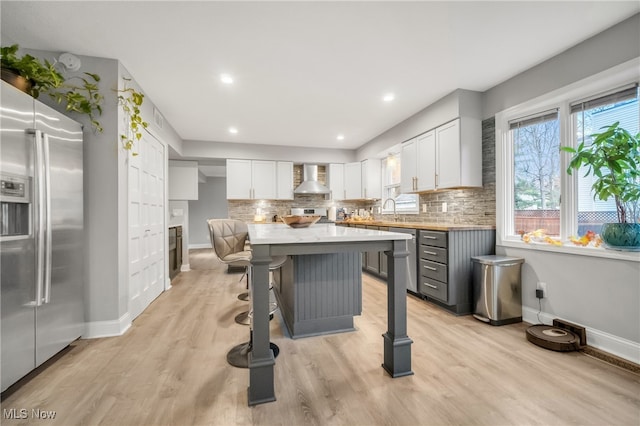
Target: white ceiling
x=307 y=71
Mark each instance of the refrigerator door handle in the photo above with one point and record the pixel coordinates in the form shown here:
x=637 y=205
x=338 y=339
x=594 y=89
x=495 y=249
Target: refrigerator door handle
x=40 y=215
x=48 y=241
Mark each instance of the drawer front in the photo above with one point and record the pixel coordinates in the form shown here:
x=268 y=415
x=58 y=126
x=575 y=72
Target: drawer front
x=433 y=288
x=433 y=238
x=435 y=254
x=434 y=270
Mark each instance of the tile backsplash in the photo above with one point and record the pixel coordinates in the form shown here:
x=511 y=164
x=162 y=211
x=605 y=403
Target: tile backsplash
x=474 y=206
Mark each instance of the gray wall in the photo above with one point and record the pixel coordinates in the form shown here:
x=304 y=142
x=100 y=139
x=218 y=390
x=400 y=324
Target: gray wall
x=211 y=203
x=611 y=47
x=210 y=149
x=599 y=293
x=106 y=197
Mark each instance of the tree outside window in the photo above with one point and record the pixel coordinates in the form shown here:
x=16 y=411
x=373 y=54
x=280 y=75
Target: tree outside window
x=536 y=148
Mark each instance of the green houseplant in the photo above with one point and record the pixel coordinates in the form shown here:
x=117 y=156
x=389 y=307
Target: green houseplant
x=131 y=100
x=38 y=77
x=613 y=158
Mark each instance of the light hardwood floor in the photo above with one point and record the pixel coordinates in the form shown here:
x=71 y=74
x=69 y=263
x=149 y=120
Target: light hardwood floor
x=170 y=369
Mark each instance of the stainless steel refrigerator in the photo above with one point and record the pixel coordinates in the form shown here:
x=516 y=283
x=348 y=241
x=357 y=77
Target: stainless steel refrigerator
x=41 y=233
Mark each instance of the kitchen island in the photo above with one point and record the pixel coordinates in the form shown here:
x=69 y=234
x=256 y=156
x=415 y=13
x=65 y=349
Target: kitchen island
x=318 y=239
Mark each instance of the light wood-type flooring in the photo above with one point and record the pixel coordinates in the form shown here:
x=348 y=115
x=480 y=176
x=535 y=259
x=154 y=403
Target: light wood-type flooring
x=170 y=369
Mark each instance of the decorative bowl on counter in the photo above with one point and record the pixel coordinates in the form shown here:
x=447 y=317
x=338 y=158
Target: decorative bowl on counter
x=298 y=221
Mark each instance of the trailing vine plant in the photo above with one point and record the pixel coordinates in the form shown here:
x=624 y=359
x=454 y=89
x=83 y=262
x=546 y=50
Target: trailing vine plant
x=130 y=100
x=83 y=98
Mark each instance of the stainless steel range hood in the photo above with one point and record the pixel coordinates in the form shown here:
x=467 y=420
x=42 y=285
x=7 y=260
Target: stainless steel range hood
x=310 y=184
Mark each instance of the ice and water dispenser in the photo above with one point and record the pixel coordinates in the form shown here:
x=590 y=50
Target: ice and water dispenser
x=15 y=203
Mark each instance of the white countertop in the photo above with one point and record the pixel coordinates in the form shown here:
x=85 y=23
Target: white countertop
x=317 y=233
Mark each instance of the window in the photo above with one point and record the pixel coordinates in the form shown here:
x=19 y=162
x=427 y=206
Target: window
x=536 y=173
x=589 y=117
x=404 y=203
x=533 y=189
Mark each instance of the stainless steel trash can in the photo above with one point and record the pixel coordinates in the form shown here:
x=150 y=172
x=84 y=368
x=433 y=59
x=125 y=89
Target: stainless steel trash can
x=497 y=289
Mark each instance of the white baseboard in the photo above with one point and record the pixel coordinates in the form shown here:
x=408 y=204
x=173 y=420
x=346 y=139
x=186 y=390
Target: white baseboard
x=607 y=342
x=96 y=329
x=200 y=246
x=185 y=267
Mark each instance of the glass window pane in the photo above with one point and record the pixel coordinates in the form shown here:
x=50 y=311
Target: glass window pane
x=536 y=147
x=593 y=213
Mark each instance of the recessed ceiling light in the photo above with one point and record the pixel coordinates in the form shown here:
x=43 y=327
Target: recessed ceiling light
x=340 y=137
x=389 y=97
x=233 y=130
x=226 y=78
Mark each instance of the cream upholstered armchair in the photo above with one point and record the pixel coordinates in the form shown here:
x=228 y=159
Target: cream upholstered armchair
x=228 y=238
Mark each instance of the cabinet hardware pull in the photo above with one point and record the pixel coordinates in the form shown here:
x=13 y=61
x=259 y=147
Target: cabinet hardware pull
x=431 y=268
x=430 y=285
x=429 y=237
x=432 y=253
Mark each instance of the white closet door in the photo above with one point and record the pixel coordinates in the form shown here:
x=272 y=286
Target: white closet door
x=146 y=224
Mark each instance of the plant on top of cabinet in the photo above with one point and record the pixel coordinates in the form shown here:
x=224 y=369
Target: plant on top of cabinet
x=130 y=100
x=30 y=75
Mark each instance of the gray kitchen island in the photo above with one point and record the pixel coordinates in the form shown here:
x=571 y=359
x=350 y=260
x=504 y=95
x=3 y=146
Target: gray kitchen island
x=269 y=240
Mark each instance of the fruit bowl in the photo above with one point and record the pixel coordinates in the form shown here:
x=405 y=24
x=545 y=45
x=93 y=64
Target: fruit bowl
x=297 y=221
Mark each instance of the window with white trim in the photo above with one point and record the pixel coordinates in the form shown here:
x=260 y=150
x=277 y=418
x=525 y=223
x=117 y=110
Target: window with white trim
x=536 y=173
x=535 y=196
x=588 y=117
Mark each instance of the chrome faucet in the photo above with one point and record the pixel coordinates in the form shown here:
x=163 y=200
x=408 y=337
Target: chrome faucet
x=395 y=215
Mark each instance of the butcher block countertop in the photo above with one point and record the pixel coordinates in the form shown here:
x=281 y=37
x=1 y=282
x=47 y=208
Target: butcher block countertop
x=418 y=225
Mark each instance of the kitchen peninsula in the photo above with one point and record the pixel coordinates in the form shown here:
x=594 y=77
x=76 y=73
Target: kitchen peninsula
x=321 y=239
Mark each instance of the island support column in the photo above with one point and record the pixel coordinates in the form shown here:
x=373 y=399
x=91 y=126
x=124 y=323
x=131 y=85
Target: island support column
x=397 y=345
x=261 y=359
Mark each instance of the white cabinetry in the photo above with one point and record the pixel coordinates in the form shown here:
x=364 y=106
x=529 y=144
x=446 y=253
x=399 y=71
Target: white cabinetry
x=336 y=181
x=409 y=166
x=183 y=180
x=449 y=156
x=353 y=181
x=371 y=178
x=251 y=179
x=284 y=180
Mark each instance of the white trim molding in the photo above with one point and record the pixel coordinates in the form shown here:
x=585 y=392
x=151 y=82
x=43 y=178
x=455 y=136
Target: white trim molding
x=111 y=328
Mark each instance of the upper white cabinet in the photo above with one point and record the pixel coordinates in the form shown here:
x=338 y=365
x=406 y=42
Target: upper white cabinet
x=183 y=180
x=251 y=179
x=409 y=167
x=353 y=181
x=362 y=179
x=284 y=180
x=371 y=178
x=450 y=156
x=336 y=181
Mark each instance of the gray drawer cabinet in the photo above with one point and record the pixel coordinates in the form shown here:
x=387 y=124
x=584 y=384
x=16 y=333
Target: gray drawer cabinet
x=445 y=268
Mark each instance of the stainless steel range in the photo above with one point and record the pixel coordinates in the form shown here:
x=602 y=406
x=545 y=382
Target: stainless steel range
x=312 y=211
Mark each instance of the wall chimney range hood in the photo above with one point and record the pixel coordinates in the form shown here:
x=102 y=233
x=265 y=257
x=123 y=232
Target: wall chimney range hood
x=310 y=184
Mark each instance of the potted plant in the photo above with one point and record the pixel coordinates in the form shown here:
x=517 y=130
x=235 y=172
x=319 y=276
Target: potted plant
x=613 y=158
x=34 y=77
